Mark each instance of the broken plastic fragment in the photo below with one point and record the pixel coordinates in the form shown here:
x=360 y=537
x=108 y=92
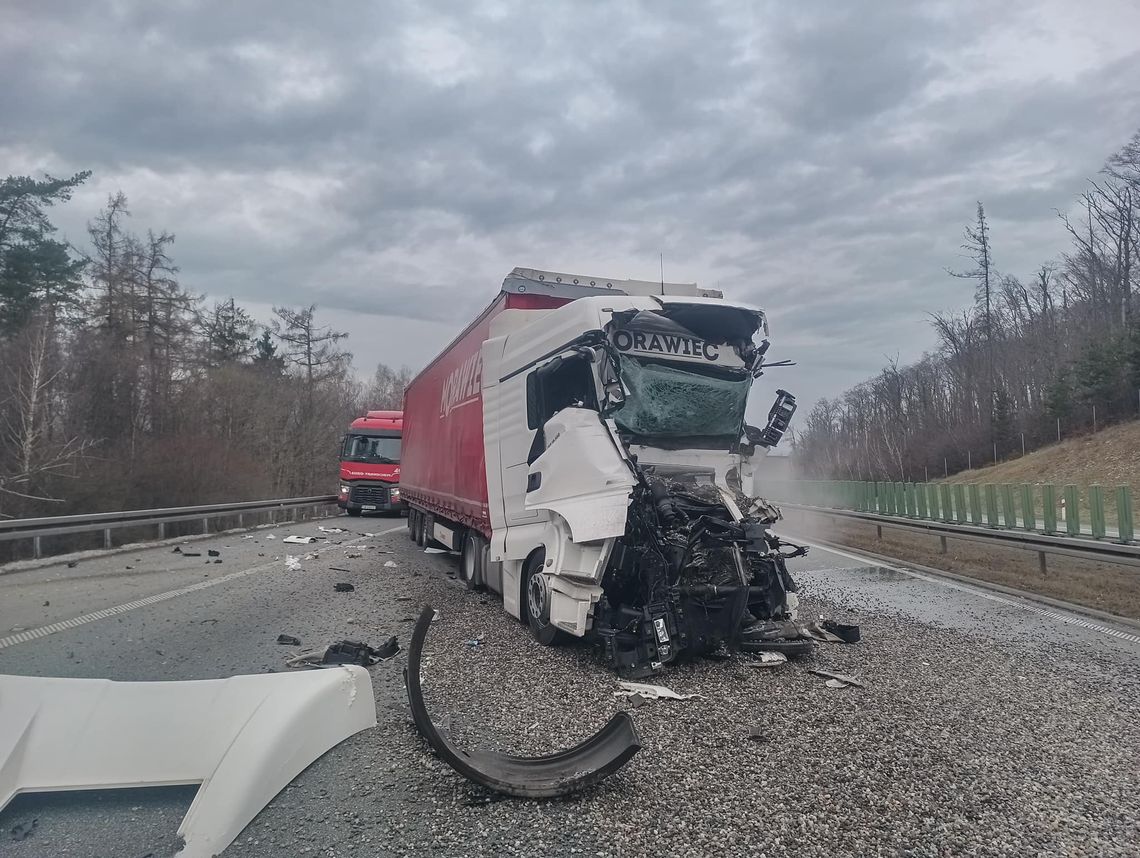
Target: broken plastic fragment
x=293 y=561
x=651 y=692
x=390 y=563
x=842 y=678
x=768 y=659
x=288 y=640
x=331 y=529
x=342 y=587
x=299 y=540
x=430 y=550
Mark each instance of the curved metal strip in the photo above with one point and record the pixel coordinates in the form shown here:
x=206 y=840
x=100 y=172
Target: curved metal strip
x=554 y=774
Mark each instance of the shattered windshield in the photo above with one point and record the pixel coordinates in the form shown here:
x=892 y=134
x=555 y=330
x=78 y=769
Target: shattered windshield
x=376 y=451
x=665 y=401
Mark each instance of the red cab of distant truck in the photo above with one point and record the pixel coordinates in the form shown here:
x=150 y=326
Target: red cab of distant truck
x=370 y=464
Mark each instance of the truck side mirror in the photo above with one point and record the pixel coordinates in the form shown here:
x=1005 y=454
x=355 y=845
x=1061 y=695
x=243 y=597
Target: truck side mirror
x=779 y=417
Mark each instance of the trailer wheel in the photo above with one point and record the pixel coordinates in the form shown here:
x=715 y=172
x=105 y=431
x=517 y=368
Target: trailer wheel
x=412 y=516
x=536 y=602
x=421 y=529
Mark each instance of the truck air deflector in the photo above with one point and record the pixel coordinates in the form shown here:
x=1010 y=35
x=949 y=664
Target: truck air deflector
x=546 y=776
x=242 y=738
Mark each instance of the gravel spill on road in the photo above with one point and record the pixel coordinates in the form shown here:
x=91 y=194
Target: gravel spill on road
x=959 y=745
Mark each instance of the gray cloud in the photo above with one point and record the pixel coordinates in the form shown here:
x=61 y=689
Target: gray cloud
x=393 y=161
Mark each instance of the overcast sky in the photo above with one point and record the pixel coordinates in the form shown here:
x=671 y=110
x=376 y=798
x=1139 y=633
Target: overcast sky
x=391 y=162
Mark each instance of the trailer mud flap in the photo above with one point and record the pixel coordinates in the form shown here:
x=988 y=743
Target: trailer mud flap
x=555 y=774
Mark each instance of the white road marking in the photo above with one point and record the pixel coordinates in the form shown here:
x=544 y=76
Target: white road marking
x=1071 y=619
x=75 y=622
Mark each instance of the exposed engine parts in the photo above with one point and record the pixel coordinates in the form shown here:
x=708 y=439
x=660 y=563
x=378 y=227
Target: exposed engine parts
x=695 y=574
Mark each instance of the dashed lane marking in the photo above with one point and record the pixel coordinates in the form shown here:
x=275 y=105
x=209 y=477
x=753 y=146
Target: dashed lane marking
x=75 y=622
x=1070 y=619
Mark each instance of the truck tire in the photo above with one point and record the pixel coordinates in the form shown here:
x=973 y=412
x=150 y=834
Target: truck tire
x=536 y=602
x=471 y=561
x=412 y=516
x=421 y=529
x=355 y=513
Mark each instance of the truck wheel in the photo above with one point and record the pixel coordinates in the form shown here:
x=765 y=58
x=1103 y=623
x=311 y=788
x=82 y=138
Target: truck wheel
x=536 y=602
x=355 y=513
x=421 y=529
x=471 y=561
x=412 y=516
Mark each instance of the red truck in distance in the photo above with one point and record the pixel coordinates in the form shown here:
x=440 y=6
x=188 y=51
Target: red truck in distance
x=370 y=464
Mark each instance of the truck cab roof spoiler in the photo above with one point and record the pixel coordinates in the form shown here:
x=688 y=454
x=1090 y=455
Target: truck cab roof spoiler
x=575 y=283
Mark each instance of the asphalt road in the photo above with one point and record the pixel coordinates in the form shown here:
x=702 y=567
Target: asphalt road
x=987 y=726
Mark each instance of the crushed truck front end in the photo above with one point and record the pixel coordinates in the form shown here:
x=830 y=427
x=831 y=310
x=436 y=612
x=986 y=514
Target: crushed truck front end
x=621 y=455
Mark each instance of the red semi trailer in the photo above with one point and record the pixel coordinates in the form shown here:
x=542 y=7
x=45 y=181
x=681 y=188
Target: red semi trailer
x=443 y=470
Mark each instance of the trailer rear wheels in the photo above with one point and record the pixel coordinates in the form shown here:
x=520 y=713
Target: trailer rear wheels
x=536 y=602
x=421 y=529
x=413 y=518
x=471 y=560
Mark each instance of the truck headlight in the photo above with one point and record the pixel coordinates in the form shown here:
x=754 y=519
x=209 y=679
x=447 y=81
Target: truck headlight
x=344 y=490
x=395 y=493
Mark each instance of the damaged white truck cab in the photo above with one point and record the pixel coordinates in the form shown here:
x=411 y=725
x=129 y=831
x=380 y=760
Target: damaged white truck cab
x=616 y=455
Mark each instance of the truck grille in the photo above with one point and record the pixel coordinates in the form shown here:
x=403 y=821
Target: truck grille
x=369 y=494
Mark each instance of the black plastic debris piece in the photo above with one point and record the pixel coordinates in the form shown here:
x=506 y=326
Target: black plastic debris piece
x=72 y=564
x=47 y=603
x=191 y=553
x=342 y=587
x=288 y=640
x=355 y=652
x=756 y=733
x=338 y=569
x=214 y=553
x=846 y=632
x=177 y=550
x=561 y=773
x=24 y=830
x=218 y=561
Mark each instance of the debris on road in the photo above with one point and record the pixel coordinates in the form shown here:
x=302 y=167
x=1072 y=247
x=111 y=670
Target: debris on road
x=213 y=552
x=342 y=587
x=191 y=553
x=293 y=561
x=22 y=831
x=756 y=733
x=474 y=643
x=177 y=550
x=347 y=652
x=270 y=536
x=430 y=550
x=842 y=678
x=299 y=540
x=338 y=569
x=71 y=564
x=390 y=564
x=353 y=555
x=768 y=659
x=561 y=773
x=651 y=692
x=331 y=529
x=830 y=631
x=288 y=640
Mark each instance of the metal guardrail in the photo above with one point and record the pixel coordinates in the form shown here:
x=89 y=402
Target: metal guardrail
x=1042 y=543
x=36 y=529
